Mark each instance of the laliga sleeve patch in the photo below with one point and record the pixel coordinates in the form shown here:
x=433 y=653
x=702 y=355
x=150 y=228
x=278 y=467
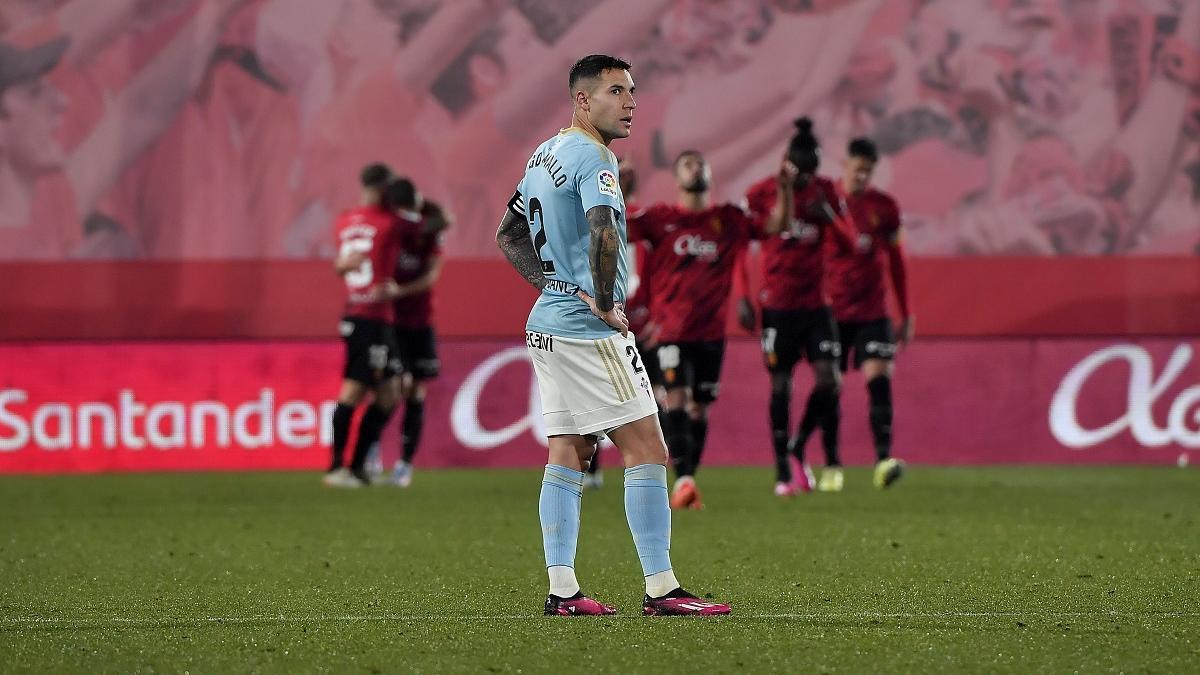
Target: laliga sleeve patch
x=607 y=181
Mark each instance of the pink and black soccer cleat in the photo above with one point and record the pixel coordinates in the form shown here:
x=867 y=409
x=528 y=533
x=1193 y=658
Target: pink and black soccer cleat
x=681 y=603
x=785 y=490
x=579 y=605
x=804 y=480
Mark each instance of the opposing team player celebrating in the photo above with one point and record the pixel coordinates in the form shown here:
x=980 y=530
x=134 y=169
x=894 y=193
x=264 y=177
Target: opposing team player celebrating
x=858 y=292
x=565 y=232
x=368 y=242
x=421 y=223
x=694 y=245
x=796 y=318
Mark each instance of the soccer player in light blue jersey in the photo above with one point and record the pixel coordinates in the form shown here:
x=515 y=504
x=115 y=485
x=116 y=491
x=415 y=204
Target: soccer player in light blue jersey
x=564 y=231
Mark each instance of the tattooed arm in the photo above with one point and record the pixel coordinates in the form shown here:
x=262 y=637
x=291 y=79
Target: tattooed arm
x=603 y=253
x=514 y=240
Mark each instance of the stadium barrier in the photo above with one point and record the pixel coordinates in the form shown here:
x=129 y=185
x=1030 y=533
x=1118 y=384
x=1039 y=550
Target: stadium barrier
x=266 y=405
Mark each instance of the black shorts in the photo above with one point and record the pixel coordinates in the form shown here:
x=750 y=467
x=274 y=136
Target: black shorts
x=695 y=365
x=874 y=339
x=650 y=363
x=791 y=334
x=418 y=353
x=371 y=355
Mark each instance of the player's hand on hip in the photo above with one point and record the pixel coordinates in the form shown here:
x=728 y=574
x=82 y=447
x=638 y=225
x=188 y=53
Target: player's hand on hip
x=614 y=317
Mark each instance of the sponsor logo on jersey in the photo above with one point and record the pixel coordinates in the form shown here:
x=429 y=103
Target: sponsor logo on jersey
x=864 y=242
x=560 y=286
x=408 y=262
x=540 y=341
x=804 y=232
x=607 y=182
x=695 y=245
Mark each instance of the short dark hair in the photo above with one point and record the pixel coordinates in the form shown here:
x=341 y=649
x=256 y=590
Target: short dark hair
x=375 y=175
x=400 y=194
x=863 y=148
x=687 y=153
x=804 y=150
x=592 y=66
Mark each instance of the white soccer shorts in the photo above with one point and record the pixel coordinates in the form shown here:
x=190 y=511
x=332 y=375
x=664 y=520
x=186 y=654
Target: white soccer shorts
x=589 y=387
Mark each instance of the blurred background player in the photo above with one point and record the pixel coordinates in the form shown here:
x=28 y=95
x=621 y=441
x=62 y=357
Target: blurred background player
x=694 y=246
x=858 y=294
x=564 y=231
x=796 y=319
x=368 y=243
x=418 y=266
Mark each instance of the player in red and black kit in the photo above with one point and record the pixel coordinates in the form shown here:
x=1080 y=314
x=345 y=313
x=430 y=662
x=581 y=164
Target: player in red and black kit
x=796 y=318
x=368 y=242
x=418 y=266
x=858 y=291
x=695 y=244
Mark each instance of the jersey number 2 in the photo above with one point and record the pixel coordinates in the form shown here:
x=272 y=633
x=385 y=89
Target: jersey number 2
x=634 y=359
x=538 y=219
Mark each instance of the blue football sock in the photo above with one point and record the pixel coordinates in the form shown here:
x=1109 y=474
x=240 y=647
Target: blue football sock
x=562 y=490
x=649 y=515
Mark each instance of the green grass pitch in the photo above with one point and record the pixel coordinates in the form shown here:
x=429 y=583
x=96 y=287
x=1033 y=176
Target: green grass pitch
x=954 y=570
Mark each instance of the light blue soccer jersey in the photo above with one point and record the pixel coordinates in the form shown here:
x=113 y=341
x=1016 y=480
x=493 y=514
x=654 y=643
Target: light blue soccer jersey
x=566 y=176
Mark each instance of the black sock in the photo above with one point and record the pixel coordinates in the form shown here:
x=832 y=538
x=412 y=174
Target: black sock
x=414 y=420
x=699 y=432
x=677 y=593
x=821 y=411
x=342 y=416
x=679 y=441
x=594 y=466
x=780 y=402
x=879 y=390
x=368 y=432
x=830 y=424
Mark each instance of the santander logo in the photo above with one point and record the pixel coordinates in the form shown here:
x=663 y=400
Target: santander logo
x=1183 y=417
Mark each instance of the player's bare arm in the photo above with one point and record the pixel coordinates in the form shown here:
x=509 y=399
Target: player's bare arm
x=838 y=222
x=604 y=252
x=424 y=282
x=516 y=243
x=898 y=268
x=386 y=291
x=785 y=202
x=349 y=262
